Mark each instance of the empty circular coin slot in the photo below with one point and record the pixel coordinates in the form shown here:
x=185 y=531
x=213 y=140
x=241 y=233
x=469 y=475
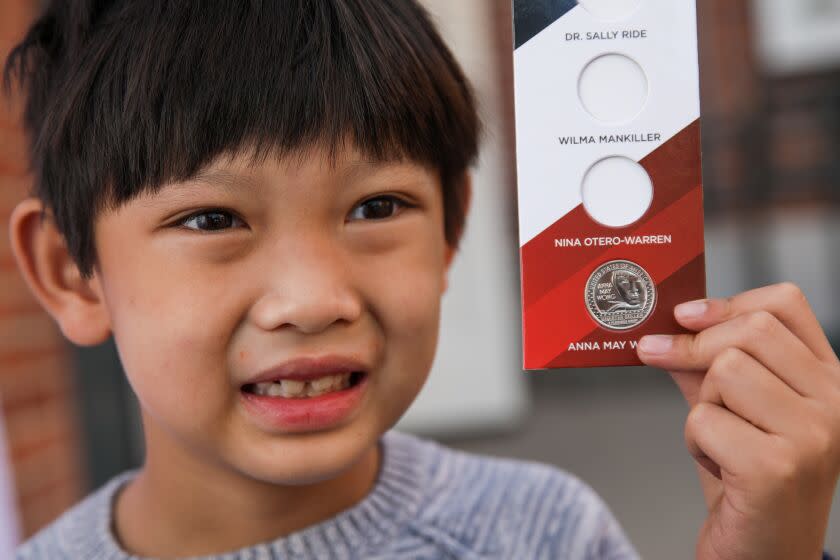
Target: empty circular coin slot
x=613 y=88
x=610 y=9
x=617 y=191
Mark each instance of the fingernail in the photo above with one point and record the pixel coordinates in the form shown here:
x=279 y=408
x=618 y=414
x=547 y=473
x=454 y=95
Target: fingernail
x=692 y=309
x=656 y=344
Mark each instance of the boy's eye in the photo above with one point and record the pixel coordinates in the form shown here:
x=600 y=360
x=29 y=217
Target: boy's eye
x=378 y=208
x=210 y=220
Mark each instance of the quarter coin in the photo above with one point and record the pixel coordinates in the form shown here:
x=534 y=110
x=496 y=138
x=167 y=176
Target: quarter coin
x=620 y=295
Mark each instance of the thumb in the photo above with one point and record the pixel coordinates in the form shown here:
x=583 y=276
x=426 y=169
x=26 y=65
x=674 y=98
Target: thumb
x=689 y=383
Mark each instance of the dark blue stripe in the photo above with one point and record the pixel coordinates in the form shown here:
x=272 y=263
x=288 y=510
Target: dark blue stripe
x=532 y=16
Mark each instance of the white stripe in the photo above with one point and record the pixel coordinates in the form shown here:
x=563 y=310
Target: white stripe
x=546 y=71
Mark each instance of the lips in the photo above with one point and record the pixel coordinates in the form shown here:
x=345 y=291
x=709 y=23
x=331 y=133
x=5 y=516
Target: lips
x=309 y=368
x=294 y=388
x=276 y=411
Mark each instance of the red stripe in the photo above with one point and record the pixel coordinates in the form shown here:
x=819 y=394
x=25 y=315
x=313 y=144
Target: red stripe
x=674 y=169
x=679 y=287
x=560 y=317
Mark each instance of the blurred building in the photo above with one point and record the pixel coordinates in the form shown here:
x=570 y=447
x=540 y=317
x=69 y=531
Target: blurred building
x=770 y=76
x=40 y=406
x=771 y=139
x=771 y=131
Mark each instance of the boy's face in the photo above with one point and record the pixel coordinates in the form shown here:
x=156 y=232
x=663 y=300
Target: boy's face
x=292 y=263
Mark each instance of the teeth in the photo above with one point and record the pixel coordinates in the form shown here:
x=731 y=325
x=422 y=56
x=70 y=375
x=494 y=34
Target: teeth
x=262 y=388
x=292 y=388
x=322 y=385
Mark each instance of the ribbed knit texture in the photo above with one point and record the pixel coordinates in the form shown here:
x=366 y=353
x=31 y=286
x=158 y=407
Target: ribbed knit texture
x=429 y=502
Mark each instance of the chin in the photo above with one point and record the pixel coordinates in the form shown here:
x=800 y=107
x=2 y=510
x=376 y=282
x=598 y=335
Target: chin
x=307 y=458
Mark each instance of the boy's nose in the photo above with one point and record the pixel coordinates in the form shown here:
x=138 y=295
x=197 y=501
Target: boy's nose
x=309 y=290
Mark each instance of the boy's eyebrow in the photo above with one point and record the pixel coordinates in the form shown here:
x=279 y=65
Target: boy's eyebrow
x=355 y=170
x=219 y=178
x=360 y=169
x=226 y=180
x=233 y=183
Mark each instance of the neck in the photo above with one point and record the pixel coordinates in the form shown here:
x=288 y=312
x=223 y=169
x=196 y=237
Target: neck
x=180 y=505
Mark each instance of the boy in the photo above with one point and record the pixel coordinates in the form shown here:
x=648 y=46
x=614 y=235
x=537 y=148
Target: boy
x=260 y=202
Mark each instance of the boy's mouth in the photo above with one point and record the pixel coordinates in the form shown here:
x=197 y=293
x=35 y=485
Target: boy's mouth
x=301 y=389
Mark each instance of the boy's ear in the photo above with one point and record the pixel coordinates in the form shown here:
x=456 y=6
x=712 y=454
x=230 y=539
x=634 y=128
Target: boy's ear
x=450 y=250
x=76 y=304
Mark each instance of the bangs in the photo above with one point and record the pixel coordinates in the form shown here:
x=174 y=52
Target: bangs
x=133 y=95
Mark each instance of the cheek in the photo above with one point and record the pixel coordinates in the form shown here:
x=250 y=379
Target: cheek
x=171 y=333
x=406 y=302
x=405 y=288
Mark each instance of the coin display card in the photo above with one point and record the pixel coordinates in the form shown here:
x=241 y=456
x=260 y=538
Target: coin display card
x=609 y=180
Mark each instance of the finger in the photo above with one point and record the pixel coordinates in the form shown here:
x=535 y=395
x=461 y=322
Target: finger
x=759 y=334
x=786 y=301
x=730 y=442
x=744 y=386
x=689 y=384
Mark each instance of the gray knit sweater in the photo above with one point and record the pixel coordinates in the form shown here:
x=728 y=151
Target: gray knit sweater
x=429 y=502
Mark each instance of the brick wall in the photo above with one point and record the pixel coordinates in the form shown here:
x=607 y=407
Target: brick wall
x=36 y=390
x=768 y=142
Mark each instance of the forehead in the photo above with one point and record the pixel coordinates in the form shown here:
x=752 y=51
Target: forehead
x=248 y=171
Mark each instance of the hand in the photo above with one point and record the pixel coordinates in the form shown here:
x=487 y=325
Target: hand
x=763 y=384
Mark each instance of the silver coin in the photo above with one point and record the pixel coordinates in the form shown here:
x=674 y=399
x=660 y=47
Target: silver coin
x=620 y=295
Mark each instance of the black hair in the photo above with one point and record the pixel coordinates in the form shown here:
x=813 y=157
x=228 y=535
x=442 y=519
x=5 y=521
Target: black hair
x=125 y=96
